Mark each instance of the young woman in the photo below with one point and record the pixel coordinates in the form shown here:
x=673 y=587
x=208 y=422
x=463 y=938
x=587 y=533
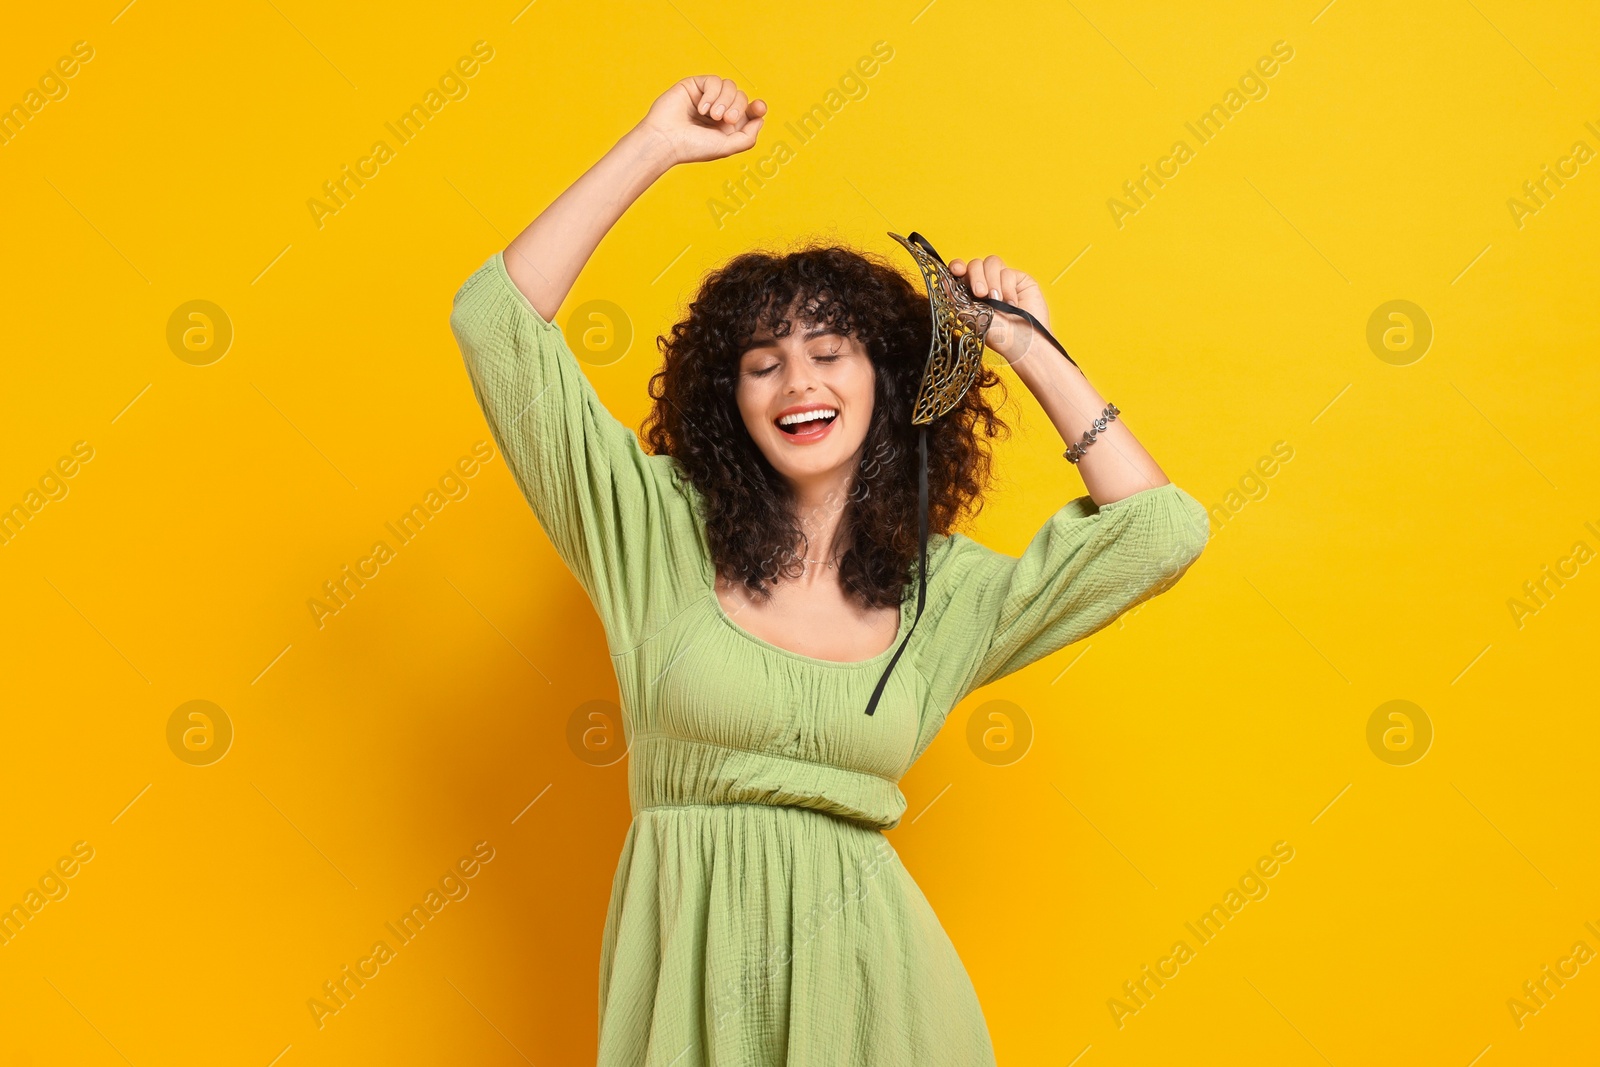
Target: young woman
x=754 y=573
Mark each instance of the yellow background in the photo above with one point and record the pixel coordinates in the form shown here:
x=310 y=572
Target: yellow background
x=1170 y=751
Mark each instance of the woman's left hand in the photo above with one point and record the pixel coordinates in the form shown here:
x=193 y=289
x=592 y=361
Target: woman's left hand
x=1010 y=335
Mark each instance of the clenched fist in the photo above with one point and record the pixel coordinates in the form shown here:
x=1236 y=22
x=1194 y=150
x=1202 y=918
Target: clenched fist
x=989 y=276
x=704 y=117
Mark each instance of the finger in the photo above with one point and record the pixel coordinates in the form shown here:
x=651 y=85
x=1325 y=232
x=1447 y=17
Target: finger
x=958 y=267
x=976 y=278
x=757 y=108
x=736 y=110
x=1008 y=284
x=992 y=269
x=743 y=139
x=725 y=96
x=709 y=85
x=746 y=136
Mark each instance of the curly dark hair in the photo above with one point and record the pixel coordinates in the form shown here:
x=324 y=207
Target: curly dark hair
x=747 y=506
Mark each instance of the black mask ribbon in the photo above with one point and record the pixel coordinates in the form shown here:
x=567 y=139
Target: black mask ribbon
x=961 y=321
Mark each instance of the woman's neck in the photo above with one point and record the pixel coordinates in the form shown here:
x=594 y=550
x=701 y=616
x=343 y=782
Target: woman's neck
x=819 y=511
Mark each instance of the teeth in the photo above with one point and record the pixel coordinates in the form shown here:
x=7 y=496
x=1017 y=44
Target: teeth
x=806 y=416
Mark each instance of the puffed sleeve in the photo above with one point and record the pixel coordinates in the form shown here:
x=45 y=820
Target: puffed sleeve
x=621 y=520
x=1086 y=566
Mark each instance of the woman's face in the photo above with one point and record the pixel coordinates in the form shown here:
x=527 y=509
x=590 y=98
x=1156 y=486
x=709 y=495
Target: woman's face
x=806 y=400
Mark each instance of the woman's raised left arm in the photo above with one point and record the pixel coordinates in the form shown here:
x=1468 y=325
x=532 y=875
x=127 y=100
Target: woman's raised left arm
x=1116 y=465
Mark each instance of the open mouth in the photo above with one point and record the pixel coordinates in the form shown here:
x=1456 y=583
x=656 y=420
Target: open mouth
x=807 y=425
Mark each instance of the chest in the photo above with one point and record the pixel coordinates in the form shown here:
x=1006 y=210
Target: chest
x=707 y=680
x=815 y=620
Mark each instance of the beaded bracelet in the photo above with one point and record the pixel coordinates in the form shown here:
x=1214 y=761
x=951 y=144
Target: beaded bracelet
x=1075 y=452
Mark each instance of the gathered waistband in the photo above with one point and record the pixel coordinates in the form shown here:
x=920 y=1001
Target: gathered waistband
x=778 y=811
x=669 y=773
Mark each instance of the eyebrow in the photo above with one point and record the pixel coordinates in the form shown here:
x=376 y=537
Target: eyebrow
x=814 y=332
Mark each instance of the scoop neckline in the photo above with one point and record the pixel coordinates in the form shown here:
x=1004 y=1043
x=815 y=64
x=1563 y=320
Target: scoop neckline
x=709 y=579
x=722 y=613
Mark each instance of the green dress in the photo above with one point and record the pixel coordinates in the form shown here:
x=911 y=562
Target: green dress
x=758 y=914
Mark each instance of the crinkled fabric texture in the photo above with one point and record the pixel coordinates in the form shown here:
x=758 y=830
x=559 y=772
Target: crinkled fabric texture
x=758 y=915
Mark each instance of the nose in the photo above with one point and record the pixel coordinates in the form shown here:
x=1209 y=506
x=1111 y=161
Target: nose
x=799 y=376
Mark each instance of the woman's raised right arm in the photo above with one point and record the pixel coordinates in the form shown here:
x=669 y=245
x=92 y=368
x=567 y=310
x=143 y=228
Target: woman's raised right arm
x=699 y=118
x=615 y=515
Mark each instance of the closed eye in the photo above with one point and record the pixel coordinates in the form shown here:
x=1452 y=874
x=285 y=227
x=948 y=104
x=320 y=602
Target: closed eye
x=827 y=357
